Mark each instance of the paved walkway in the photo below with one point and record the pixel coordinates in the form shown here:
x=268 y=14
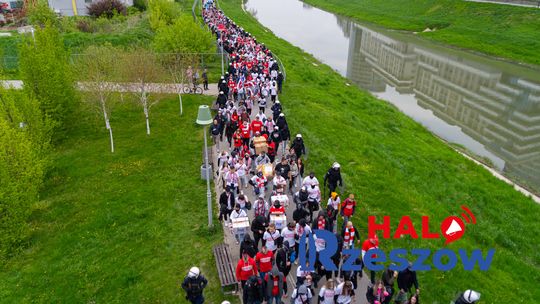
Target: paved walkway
x=163 y=88
x=535 y=4
x=230 y=240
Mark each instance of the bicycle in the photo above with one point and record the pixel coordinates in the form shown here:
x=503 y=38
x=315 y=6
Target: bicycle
x=194 y=89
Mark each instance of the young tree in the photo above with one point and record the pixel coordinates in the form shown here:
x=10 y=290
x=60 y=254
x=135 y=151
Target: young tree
x=140 y=70
x=162 y=12
x=183 y=36
x=98 y=67
x=47 y=75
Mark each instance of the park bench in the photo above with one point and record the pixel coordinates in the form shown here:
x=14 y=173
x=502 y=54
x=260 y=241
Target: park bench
x=225 y=267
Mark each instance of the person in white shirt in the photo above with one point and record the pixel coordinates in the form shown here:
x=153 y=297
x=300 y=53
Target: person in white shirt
x=279 y=181
x=314 y=200
x=232 y=179
x=310 y=180
x=301 y=295
x=237 y=213
x=271 y=237
x=242 y=170
x=334 y=200
x=327 y=293
x=345 y=293
x=288 y=234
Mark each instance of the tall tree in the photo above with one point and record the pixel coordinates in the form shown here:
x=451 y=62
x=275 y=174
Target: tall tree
x=48 y=76
x=98 y=69
x=141 y=71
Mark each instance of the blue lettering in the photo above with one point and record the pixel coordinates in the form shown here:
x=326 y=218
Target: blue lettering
x=330 y=248
x=438 y=256
x=373 y=256
x=302 y=252
x=396 y=256
x=476 y=256
x=348 y=264
x=423 y=254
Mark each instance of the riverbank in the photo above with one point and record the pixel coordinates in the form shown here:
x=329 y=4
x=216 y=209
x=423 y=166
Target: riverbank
x=396 y=167
x=508 y=32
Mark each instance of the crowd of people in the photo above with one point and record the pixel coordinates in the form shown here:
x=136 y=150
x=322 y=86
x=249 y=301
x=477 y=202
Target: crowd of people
x=258 y=158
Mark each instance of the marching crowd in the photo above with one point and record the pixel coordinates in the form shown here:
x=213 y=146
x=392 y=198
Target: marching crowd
x=258 y=156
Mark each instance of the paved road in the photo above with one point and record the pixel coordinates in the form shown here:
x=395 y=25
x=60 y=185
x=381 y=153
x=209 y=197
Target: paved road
x=229 y=236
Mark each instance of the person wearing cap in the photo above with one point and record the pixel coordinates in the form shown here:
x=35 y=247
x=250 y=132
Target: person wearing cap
x=276 y=108
x=333 y=177
x=298 y=146
x=194 y=284
x=221 y=100
x=468 y=297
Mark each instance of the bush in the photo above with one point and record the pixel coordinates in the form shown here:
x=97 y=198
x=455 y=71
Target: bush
x=106 y=8
x=141 y=5
x=41 y=14
x=162 y=12
x=85 y=26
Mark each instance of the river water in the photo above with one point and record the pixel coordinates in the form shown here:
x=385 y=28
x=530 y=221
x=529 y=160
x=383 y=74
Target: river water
x=490 y=107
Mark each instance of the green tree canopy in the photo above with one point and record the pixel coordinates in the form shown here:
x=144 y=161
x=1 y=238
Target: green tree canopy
x=162 y=13
x=183 y=36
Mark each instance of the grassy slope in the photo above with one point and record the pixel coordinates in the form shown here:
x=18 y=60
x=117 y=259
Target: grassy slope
x=499 y=30
x=397 y=168
x=122 y=227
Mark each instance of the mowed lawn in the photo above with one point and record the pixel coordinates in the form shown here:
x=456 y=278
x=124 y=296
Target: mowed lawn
x=123 y=227
x=499 y=30
x=396 y=167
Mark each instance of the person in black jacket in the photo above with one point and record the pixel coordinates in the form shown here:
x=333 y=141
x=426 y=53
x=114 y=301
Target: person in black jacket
x=276 y=109
x=406 y=279
x=258 y=227
x=221 y=121
x=279 y=82
x=388 y=278
x=194 y=284
x=333 y=176
x=352 y=275
x=248 y=246
x=215 y=129
x=283 y=261
x=221 y=100
x=226 y=203
x=275 y=136
x=253 y=291
x=298 y=146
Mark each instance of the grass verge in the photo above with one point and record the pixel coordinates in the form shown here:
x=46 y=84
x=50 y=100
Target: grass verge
x=396 y=167
x=499 y=30
x=122 y=227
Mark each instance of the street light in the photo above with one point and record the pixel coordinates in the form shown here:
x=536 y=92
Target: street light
x=204 y=118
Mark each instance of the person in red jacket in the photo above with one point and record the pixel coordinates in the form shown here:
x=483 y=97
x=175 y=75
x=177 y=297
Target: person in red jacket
x=348 y=207
x=265 y=259
x=371 y=243
x=256 y=125
x=245 y=268
x=238 y=142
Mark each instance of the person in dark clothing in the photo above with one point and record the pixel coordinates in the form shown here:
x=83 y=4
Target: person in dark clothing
x=221 y=100
x=333 y=177
x=336 y=258
x=331 y=215
x=283 y=261
x=283 y=168
x=194 y=284
x=320 y=222
x=205 y=79
x=406 y=279
x=468 y=297
x=279 y=81
x=230 y=128
x=276 y=109
x=226 y=203
x=253 y=291
x=300 y=213
x=258 y=227
x=298 y=146
x=221 y=121
x=248 y=246
x=388 y=278
x=275 y=136
x=353 y=275
x=215 y=129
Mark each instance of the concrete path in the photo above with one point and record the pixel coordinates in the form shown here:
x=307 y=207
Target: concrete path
x=230 y=240
x=534 y=4
x=163 y=88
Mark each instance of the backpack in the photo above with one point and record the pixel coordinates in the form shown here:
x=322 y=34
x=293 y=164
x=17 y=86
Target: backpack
x=252 y=288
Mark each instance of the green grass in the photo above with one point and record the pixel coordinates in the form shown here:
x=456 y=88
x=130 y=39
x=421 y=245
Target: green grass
x=500 y=30
x=122 y=227
x=396 y=167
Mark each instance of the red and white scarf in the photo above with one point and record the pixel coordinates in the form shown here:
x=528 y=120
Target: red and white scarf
x=321 y=224
x=349 y=236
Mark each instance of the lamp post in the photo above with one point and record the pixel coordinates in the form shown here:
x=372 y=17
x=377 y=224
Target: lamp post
x=204 y=118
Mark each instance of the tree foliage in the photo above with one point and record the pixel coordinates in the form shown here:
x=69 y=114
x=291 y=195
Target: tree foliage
x=47 y=75
x=106 y=8
x=41 y=14
x=162 y=13
x=183 y=36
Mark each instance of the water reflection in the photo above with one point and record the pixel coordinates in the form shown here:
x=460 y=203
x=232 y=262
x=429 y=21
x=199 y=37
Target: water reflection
x=490 y=108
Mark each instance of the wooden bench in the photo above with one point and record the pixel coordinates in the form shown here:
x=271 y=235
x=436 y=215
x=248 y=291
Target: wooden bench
x=225 y=267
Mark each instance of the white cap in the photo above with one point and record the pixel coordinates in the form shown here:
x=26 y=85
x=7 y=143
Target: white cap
x=277 y=101
x=299 y=135
x=471 y=296
x=276 y=128
x=282 y=115
x=220 y=92
x=336 y=165
x=194 y=272
x=225 y=302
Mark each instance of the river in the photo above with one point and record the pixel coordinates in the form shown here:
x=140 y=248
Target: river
x=489 y=107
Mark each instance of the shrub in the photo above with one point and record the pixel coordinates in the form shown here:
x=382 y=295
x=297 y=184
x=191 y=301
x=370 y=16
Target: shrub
x=41 y=14
x=85 y=26
x=106 y=8
x=162 y=12
x=141 y=5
